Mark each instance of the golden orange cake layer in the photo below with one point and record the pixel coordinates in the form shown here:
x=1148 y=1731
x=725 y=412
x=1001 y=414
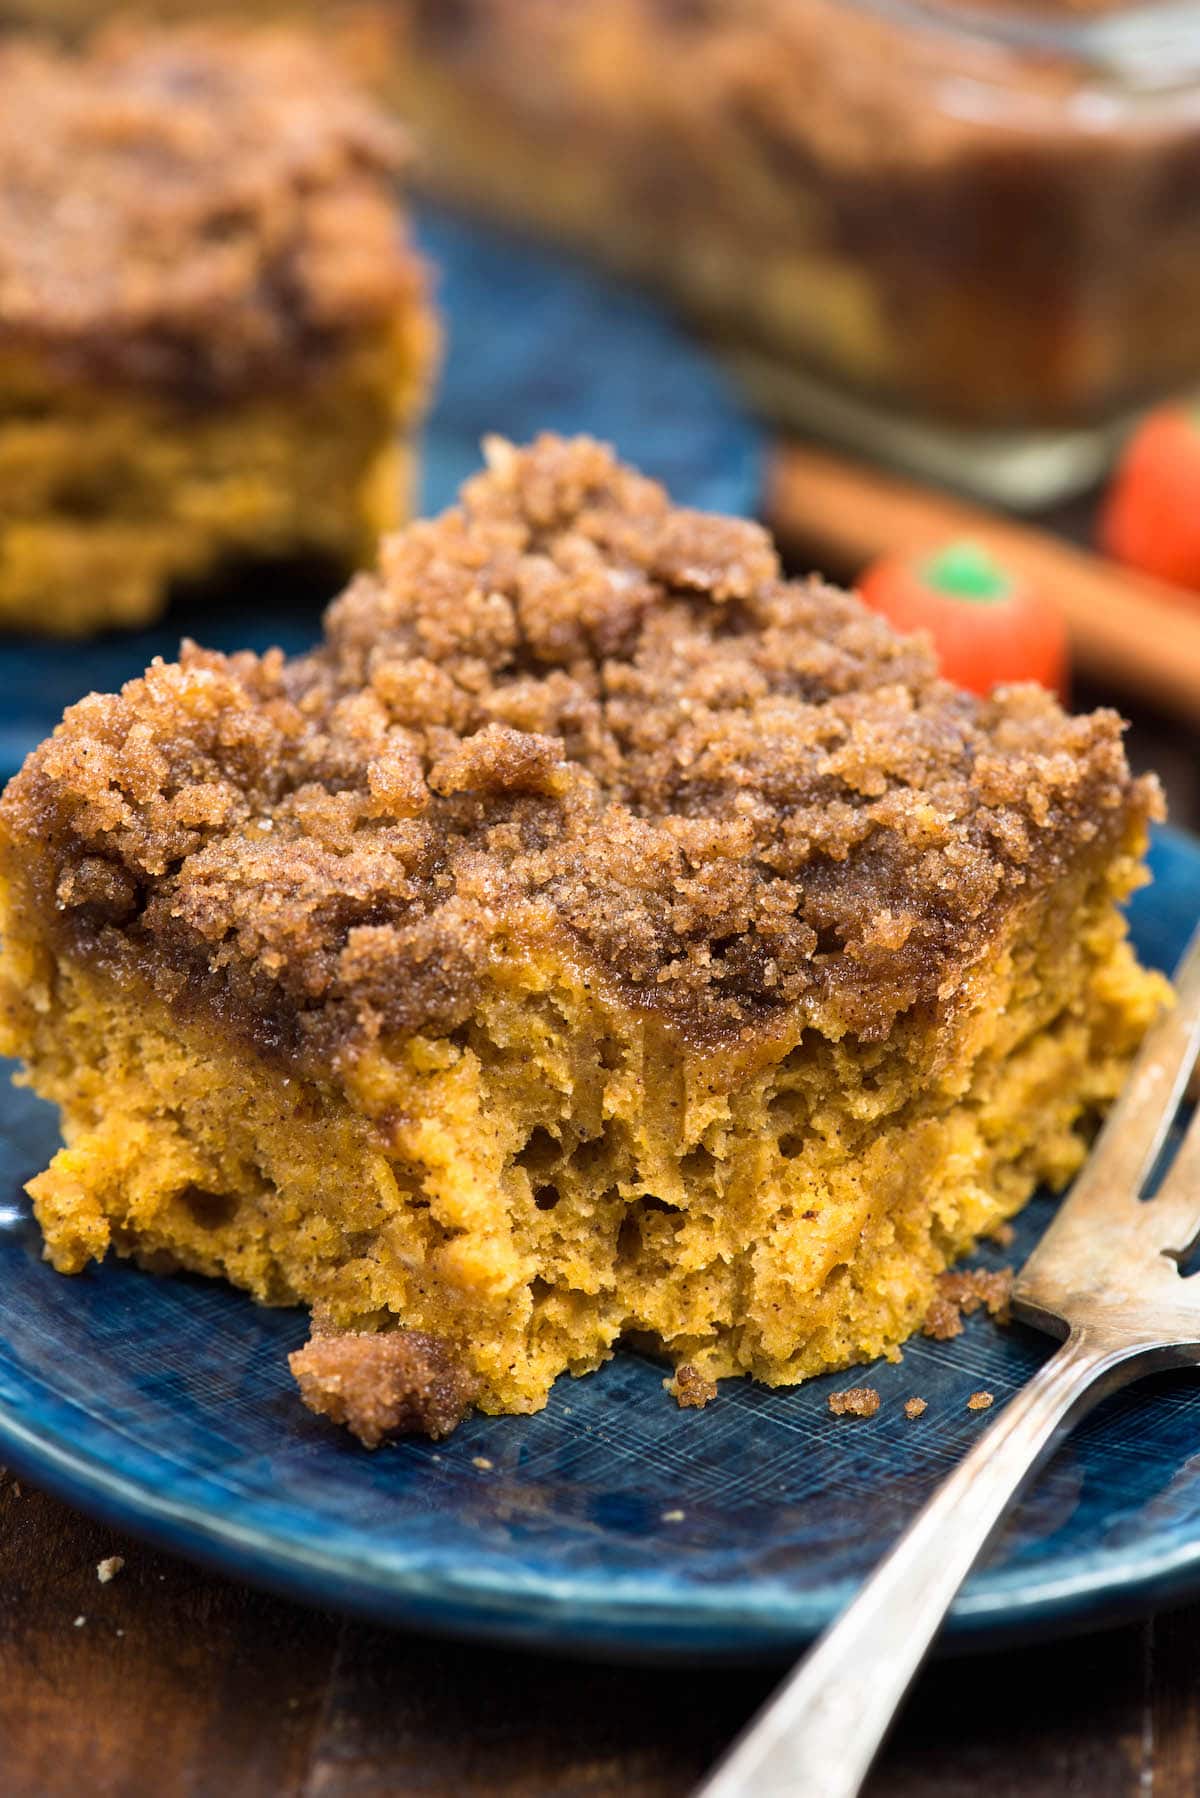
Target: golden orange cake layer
x=597 y=935
x=215 y=342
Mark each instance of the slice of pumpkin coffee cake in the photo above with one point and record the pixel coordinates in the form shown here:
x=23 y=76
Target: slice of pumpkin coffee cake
x=596 y=934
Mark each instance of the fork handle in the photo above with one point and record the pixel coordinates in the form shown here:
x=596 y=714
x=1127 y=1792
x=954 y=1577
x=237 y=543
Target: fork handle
x=817 y=1737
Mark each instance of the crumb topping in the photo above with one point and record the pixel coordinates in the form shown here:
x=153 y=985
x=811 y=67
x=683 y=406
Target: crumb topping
x=962 y=1292
x=915 y=1407
x=691 y=1389
x=980 y=1401
x=204 y=209
x=383 y=1384
x=859 y=1401
x=565 y=715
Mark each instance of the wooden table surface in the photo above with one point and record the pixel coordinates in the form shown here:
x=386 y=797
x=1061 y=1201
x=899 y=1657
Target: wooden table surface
x=170 y=1682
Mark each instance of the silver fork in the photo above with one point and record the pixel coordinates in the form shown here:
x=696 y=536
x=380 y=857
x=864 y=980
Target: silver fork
x=1105 y=1278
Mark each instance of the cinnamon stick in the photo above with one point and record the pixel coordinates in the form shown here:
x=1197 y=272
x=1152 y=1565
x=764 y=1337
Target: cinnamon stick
x=1126 y=629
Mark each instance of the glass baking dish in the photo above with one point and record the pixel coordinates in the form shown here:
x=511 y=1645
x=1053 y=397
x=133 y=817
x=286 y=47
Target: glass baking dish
x=963 y=236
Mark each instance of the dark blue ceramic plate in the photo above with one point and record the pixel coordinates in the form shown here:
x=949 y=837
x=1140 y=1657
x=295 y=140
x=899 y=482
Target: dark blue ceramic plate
x=612 y=1522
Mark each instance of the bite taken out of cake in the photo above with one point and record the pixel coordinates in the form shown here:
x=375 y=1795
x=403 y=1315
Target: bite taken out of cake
x=596 y=935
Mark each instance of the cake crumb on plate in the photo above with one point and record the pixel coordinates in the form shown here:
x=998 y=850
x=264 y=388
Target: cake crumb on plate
x=859 y=1401
x=384 y=1383
x=691 y=1389
x=915 y=1407
x=980 y=1401
x=961 y=1293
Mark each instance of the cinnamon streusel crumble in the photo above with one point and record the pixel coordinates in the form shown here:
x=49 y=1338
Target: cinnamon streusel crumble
x=596 y=934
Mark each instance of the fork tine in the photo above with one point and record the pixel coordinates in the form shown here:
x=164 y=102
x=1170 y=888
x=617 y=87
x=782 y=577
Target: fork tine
x=1138 y=1123
x=1173 y=1217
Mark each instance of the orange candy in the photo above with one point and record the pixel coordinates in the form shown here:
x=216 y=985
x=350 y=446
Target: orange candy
x=987 y=626
x=1151 y=517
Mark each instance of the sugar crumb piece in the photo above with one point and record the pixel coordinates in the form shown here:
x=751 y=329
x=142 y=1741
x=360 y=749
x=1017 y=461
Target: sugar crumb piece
x=961 y=1293
x=980 y=1401
x=691 y=1389
x=482 y=1462
x=943 y=1321
x=1003 y=1234
x=673 y=1516
x=109 y=1568
x=859 y=1401
x=384 y=1383
x=915 y=1407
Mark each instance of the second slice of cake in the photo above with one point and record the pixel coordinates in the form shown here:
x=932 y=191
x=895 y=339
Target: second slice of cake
x=597 y=935
x=215 y=341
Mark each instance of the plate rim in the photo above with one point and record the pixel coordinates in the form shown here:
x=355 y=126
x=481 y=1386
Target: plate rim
x=587 y=1614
